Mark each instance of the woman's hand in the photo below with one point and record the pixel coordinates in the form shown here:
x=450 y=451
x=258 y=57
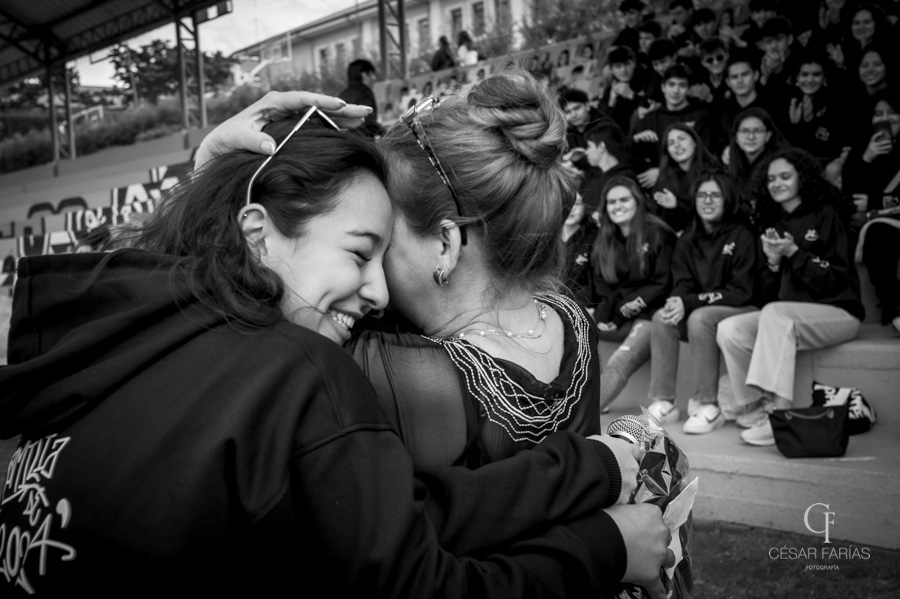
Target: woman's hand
x=666 y=199
x=243 y=131
x=647 y=540
x=880 y=143
x=648 y=178
x=628 y=456
x=673 y=311
x=795 y=111
x=647 y=135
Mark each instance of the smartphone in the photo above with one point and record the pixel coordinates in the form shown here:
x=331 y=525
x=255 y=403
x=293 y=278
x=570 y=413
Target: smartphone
x=884 y=128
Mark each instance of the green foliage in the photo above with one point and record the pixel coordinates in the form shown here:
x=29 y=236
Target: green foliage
x=553 y=21
x=153 y=69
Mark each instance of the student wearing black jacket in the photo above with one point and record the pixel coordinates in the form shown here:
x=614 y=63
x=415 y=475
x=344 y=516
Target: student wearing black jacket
x=809 y=278
x=630 y=278
x=714 y=277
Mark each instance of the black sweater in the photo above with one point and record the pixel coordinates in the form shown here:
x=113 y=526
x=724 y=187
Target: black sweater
x=715 y=268
x=822 y=269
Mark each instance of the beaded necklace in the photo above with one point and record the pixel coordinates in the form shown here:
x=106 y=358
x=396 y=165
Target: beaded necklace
x=530 y=334
x=523 y=415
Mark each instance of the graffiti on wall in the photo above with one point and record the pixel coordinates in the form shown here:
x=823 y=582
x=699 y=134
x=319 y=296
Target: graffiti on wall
x=57 y=227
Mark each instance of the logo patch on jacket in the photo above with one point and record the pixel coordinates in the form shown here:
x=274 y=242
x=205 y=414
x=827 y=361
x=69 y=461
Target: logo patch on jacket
x=645 y=248
x=821 y=262
x=728 y=249
x=811 y=235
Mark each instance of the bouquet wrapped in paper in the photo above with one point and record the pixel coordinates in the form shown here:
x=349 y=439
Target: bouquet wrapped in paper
x=662 y=481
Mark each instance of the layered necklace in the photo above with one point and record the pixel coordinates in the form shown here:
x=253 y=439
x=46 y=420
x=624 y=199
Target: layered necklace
x=530 y=334
x=523 y=415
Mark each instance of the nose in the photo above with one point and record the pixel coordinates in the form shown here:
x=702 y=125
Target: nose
x=374 y=290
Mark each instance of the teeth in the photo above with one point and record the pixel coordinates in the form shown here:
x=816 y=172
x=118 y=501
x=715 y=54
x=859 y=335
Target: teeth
x=345 y=320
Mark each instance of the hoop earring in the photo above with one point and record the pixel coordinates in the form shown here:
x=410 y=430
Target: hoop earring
x=440 y=277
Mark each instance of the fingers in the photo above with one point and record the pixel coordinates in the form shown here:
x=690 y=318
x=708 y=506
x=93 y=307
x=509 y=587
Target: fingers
x=654 y=589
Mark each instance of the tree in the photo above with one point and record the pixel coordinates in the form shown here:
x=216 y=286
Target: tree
x=152 y=71
x=31 y=92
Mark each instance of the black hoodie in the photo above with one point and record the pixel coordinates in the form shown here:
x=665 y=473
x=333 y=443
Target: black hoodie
x=163 y=451
x=822 y=270
x=716 y=268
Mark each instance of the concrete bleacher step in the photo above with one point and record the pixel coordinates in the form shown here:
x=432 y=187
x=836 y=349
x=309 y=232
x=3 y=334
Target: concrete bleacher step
x=758 y=486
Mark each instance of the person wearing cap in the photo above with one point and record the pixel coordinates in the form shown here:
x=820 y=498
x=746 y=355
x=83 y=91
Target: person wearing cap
x=632 y=15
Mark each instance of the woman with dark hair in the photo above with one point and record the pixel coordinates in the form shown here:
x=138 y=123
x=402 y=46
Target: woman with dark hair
x=754 y=137
x=868 y=25
x=682 y=155
x=630 y=278
x=872 y=171
x=714 y=273
x=199 y=426
x=809 y=279
x=814 y=115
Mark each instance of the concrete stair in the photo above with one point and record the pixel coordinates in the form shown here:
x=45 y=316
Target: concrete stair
x=758 y=486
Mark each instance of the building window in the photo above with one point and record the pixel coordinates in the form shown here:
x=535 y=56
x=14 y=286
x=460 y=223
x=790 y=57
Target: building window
x=323 y=58
x=478 y=18
x=455 y=22
x=424 y=34
x=504 y=13
x=341 y=53
x=357 y=48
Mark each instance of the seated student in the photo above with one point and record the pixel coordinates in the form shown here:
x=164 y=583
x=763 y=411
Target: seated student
x=648 y=33
x=578 y=233
x=682 y=156
x=632 y=15
x=662 y=55
x=714 y=273
x=605 y=152
x=868 y=25
x=704 y=24
x=872 y=169
x=760 y=12
x=680 y=32
x=780 y=55
x=754 y=136
x=579 y=116
x=729 y=31
x=628 y=88
x=630 y=279
x=742 y=79
x=815 y=109
x=809 y=278
x=647 y=132
x=710 y=85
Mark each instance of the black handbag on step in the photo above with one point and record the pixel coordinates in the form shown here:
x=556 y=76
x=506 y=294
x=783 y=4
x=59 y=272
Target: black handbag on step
x=814 y=432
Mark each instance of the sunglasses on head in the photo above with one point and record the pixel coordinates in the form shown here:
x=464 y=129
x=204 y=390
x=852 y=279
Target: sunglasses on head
x=306 y=116
x=412 y=119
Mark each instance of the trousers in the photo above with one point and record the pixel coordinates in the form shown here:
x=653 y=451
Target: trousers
x=699 y=329
x=760 y=348
x=632 y=353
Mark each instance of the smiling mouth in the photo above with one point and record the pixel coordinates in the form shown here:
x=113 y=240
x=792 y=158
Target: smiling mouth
x=345 y=320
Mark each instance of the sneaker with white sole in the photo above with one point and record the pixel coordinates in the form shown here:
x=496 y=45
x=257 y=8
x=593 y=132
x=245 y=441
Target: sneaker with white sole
x=706 y=419
x=760 y=435
x=754 y=413
x=693 y=406
x=664 y=411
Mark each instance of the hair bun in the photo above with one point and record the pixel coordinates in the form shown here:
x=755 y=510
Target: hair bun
x=525 y=111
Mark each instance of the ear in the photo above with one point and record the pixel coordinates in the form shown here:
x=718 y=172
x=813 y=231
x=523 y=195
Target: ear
x=451 y=243
x=255 y=224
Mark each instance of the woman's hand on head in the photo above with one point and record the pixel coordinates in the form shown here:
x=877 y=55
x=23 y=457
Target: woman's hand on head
x=243 y=131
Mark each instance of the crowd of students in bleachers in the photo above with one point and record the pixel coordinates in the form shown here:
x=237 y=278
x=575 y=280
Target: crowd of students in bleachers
x=733 y=176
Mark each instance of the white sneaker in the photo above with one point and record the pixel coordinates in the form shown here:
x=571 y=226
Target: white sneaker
x=693 y=406
x=706 y=419
x=760 y=435
x=664 y=411
x=753 y=414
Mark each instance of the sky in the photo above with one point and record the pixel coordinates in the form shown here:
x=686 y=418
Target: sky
x=249 y=22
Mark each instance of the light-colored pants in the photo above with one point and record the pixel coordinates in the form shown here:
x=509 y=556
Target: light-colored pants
x=760 y=348
x=628 y=357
